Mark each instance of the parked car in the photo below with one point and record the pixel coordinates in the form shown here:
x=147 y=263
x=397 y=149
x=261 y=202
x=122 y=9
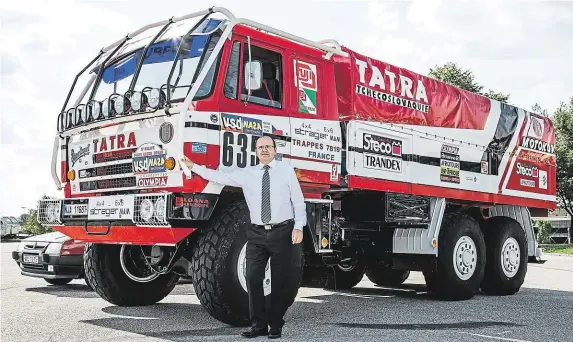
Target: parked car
x=52 y=256
x=9 y=226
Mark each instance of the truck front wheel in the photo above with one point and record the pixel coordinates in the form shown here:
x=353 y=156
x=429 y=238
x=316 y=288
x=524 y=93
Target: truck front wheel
x=119 y=274
x=219 y=267
x=506 y=257
x=461 y=259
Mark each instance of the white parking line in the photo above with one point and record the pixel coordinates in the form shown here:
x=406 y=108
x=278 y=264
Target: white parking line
x=495 y=337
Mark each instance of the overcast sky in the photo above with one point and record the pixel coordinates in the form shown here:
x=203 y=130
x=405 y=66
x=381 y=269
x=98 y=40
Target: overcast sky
x=524 y=48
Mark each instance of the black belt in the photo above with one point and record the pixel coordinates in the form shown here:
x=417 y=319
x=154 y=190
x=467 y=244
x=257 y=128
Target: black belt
x=271 y=226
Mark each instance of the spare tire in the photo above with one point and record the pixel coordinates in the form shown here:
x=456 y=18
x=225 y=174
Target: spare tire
x=219 y=267
x=385 y=275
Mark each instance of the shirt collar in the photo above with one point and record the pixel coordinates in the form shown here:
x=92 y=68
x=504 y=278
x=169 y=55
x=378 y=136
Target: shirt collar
x=271 y=164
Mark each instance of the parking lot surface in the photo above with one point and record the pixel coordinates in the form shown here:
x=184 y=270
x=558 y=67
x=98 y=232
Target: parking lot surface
x=33 y=310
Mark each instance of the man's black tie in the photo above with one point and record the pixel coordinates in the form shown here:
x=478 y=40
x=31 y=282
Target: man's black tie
x=266 y=197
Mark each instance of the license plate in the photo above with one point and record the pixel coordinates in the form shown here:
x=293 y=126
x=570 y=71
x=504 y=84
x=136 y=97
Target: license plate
x=30 y=259
x=110 y=208
x=75 y=209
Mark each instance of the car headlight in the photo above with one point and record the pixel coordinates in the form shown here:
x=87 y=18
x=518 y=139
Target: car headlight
x=53 y=248
x=146 y=210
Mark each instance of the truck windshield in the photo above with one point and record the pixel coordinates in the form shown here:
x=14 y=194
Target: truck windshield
x=158 y=62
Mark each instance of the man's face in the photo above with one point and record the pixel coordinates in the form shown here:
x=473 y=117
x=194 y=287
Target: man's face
x=265 y=150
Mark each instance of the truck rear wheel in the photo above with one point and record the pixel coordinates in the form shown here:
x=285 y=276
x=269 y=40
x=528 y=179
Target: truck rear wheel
x=384 y=275
x=122 y=278
x=461 y=259
x=219 y=267
x=506 y=257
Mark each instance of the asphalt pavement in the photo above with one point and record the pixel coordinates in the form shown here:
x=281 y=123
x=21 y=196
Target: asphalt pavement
x=32 y=310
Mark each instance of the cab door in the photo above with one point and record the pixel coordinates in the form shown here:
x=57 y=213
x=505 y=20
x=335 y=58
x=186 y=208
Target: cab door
x=245 y=116
x=316 y=141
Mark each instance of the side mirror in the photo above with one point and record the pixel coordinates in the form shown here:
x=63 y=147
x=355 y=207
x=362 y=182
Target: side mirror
x=253 y=75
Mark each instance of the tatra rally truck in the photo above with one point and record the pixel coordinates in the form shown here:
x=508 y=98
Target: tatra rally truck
x=400 y=172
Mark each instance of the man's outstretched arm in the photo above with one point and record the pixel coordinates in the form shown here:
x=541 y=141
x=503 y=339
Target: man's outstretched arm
x=231 y=178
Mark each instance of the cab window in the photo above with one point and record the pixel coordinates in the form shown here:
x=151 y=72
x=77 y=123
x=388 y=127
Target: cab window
x=270 y=93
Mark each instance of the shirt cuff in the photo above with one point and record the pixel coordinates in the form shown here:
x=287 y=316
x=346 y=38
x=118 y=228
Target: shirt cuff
x=298 y=228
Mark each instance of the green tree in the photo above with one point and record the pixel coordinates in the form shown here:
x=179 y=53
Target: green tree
x=453 y=74
x=563 y=121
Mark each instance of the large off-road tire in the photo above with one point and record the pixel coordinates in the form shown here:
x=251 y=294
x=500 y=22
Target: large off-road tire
x=63 y=281
x=105 y=273
x=219 y=267
x=461 y=259
x=506 y=257
x=339 y=277
x=385 y=275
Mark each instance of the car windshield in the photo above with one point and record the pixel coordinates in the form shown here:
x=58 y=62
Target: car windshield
x=158 y=61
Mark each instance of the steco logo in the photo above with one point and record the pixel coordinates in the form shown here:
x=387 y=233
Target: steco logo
x=382 y=145
x=527 y=170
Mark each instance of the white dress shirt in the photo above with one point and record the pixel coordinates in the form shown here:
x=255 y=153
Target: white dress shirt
x=287 y=200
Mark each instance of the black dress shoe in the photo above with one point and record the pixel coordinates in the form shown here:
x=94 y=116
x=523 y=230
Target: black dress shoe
x=275 y=333
x=254 y=332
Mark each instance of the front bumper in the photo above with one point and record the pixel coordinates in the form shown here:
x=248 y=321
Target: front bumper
x=50 y=266
x=119 y=219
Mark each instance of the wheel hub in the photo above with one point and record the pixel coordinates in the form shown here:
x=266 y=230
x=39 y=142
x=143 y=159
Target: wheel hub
x=510 y=257
x=135 y=266
x=242 y=272
x=465 y=257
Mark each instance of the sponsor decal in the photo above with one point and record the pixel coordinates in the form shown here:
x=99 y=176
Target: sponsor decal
x=378 y=162
x=241 y=124
x=527 y=170
x=334 y=173
x=382 y=145
x=166 y=132
x=278 y=156
x=76 y=155
x=214 y=118
x=543 y=179
x=321 y=155
x=450 y=164
x=536 y=127
x=537 y=145
x=149 y=158
x=383 y=86
x=114 y=142
x=192 y=202
x=306 y=80
x=484 y=167
x=527 y=182
x=198 y=147
x=151 y=180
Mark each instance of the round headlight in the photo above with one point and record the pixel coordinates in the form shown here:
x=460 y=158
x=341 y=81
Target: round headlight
x=51 y=212
x=105 y=108
x=160 y=209
x=146 y=210
x=154 y=96
x=119 y=104
x=136 y=101
x=70 y=114
x=96 y=109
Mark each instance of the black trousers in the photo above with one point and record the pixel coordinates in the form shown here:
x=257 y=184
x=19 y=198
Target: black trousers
x=275 y=243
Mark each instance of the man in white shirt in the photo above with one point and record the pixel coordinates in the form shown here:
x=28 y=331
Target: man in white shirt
x=278 y=215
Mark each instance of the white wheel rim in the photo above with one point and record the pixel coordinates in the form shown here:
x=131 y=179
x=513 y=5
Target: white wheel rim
x=130 y=275
x=510 y=257
x=465 y=257
x=242 y=272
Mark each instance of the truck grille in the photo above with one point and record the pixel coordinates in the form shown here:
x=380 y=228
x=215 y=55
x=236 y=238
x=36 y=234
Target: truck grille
x=121 y=166
x=124 y=182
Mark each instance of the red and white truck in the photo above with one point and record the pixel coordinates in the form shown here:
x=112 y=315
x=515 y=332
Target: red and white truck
x=400 y=172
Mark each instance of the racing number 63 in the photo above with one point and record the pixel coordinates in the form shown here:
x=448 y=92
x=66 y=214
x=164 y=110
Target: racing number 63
x=244 y=146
